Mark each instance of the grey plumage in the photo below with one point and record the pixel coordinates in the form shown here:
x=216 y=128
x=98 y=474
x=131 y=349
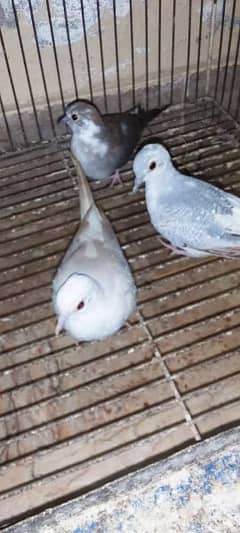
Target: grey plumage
x=196 y=218
x=93 y=290
x=104 y=143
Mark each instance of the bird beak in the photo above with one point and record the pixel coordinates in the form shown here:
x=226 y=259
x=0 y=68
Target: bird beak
x=60 y=324
x=138 y=182
x=62 y=118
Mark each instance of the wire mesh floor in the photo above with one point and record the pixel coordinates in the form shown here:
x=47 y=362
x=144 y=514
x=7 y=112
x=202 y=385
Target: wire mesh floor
x=73 y=416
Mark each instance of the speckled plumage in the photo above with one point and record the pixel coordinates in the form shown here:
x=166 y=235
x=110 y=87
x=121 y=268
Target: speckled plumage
x=196 y=218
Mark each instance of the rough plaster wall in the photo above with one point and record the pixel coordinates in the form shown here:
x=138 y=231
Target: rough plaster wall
x=123 y=28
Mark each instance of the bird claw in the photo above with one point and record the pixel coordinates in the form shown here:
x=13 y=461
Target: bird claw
x=116 y=179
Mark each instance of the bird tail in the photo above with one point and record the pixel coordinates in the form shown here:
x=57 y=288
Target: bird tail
x=85 y=193
x=150 y=114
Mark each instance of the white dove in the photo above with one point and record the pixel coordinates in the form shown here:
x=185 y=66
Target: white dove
x=196 y=218
x=93 y=291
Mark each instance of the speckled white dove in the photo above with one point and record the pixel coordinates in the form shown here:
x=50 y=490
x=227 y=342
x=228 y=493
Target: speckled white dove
x=196 y=219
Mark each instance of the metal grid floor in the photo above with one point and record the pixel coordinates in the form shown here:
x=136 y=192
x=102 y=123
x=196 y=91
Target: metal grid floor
x=73 y=416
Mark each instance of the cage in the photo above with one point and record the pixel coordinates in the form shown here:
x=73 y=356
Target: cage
x=73 y=417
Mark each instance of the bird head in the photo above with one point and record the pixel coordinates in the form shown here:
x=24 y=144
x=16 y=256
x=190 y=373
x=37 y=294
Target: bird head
x=78 y=112
x=147 y=163
x=75 y=296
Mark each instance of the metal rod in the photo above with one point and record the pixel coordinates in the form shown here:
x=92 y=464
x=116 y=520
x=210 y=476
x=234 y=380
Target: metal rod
x=228 y=52
x=199 y=51
x=13 y=88
x=146 y=54
x=188 y=49
x=173 y=49
x=117 y=56
x=132 y=53
x=235 y=67
x=55 y=53
x=70 y=48
x=26 y=71
x=41 y=67
x=102 y=56
x=210 y=45
x=220 y=51
x=86 y=50
x=6 y=124
x=159 y=49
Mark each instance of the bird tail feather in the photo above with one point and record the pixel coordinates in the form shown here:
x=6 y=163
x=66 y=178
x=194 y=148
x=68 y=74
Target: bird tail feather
x=150 y=114
x=85 y=194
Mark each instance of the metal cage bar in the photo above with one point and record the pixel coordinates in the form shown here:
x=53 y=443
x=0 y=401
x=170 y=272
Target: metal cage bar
x=221 y=83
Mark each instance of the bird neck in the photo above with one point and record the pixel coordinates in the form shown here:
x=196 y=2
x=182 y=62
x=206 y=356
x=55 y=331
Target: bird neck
x=160 y=184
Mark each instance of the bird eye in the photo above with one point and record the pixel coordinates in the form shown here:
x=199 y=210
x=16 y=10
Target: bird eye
x=80 y=305
x=152 y=165
x=74 y=116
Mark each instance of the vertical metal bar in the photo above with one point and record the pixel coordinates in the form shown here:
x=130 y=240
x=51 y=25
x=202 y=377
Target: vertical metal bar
x=173 y=49
x=220 y=51
x=132 y=53
x=210 y=45
x=117 y=57
x=235 y=67
x=159 y=50
x=70 y=48
x=199 y=51
x=41 y=67
x=13 y=88
x=86 y=50
x=55 y=53
x=6 y=123
x=146 y=54
x=188 y=49
x=228 y=52
x=26 y=70
x=102 y=56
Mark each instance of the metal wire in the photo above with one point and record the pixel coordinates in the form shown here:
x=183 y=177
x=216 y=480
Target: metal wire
x=6 y=123
x=220 y=51
x=55 y=53
x=102 y=56
x=146 y=54
x=41 y=67
x=235 y=66
x=26 y=70
x=199 y=50
x=70 y=48
x=86 y=50
x=5 y=55
x=173 y=49
x=228 y=52
x=159 y=49
x=132 y=52
x=117 y=56
x=188 y=49
x=223 y=87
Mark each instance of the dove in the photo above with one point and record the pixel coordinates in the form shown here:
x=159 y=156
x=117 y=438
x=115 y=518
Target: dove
x=93 y=290
x=104 y=143
x=195 y=218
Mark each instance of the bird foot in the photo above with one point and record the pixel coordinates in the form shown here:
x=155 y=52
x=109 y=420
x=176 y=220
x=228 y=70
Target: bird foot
x=172 y=249
x=116 y=179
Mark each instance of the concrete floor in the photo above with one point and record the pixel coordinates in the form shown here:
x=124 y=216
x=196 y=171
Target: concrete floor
x=195 y=491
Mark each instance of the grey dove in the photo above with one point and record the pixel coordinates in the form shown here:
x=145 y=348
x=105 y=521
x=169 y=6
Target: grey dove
x=194 y=217
x=104 y=143
x=93 y=291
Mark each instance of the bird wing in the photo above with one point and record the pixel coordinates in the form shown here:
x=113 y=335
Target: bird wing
x=201 y=216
